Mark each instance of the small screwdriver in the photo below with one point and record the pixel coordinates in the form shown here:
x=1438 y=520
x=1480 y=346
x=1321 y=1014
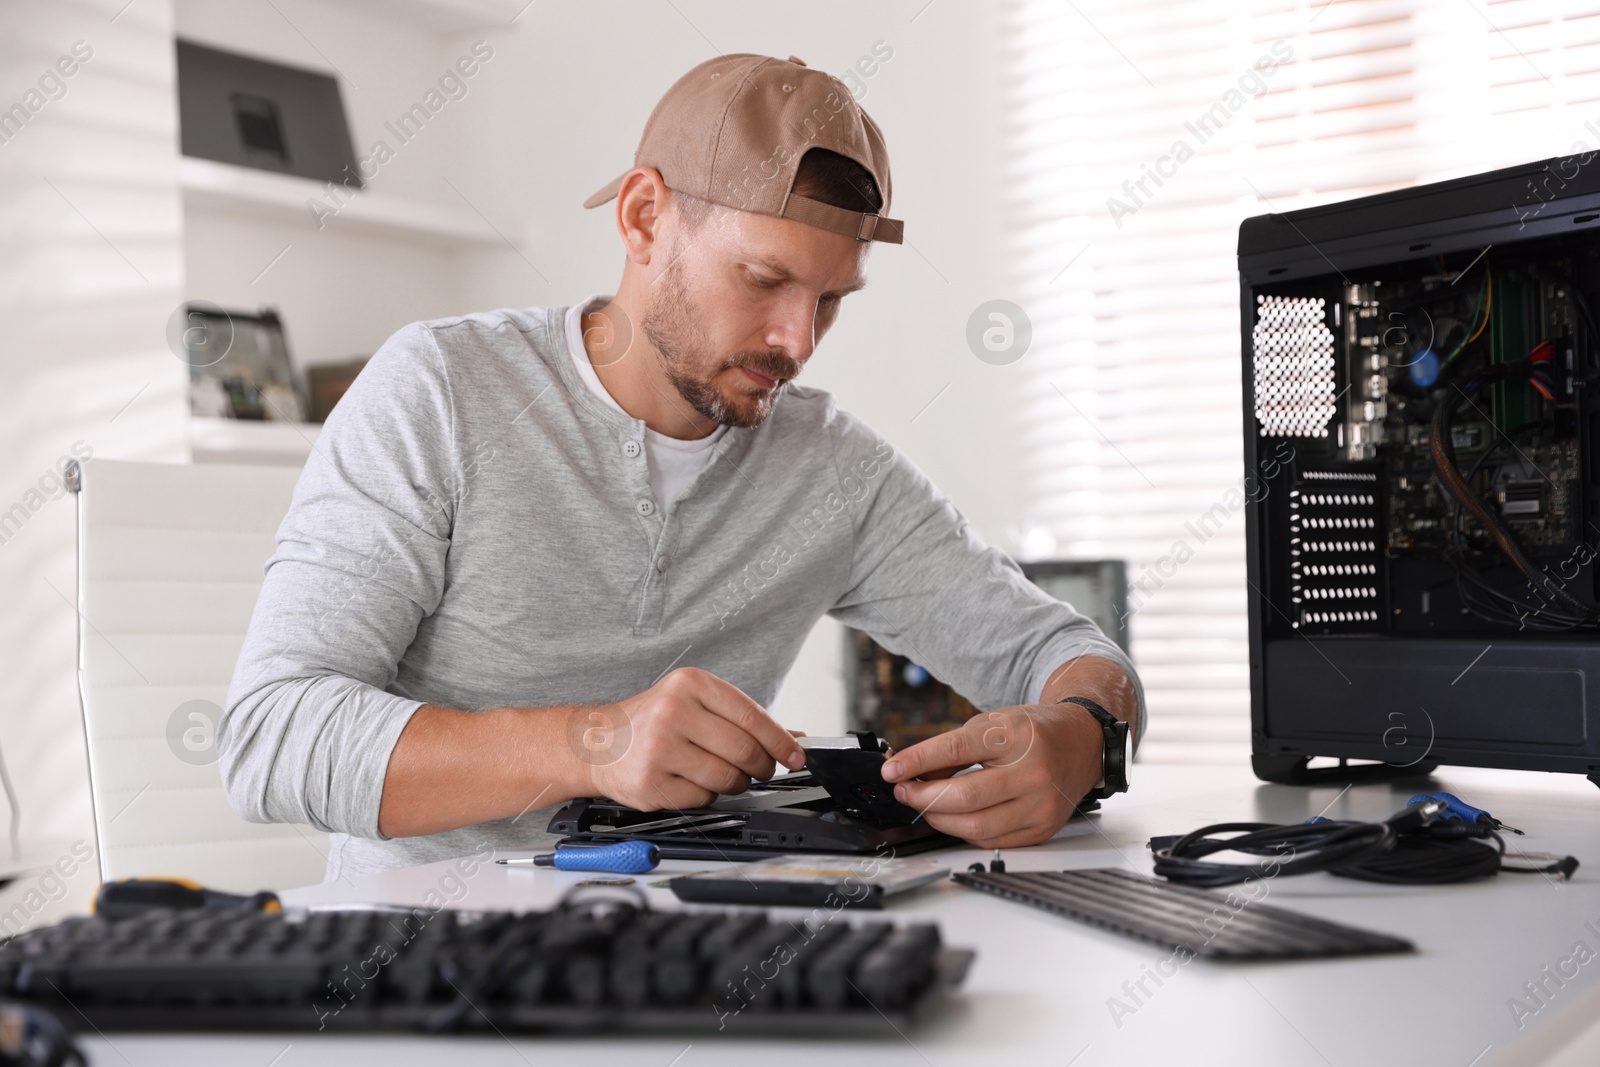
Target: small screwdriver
x=624 y=857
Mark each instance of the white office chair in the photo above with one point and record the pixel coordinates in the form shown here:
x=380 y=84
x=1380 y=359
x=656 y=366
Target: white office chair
x=170 y=563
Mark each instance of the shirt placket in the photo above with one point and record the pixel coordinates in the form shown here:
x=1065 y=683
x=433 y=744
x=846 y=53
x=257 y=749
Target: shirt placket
x=659 y=535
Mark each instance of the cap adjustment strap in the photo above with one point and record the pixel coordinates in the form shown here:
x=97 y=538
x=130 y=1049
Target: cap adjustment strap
x=862 y=225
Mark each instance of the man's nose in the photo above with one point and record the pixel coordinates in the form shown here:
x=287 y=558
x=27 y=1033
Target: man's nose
x=793 y=330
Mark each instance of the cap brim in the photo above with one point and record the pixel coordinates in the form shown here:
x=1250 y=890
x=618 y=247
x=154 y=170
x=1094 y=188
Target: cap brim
x=607 y=192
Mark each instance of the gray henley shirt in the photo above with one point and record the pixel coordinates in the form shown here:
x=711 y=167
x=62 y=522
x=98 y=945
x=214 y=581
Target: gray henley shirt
x=475 y=529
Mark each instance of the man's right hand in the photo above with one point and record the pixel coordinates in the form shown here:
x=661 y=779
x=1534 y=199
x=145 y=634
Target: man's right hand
x=680 y=743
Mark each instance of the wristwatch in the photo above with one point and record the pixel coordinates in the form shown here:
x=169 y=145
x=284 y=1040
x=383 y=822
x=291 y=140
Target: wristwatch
x=1115 y=759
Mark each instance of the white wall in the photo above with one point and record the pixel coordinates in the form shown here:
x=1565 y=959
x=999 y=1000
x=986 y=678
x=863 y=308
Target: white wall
x=90 y=272
x=558 y=114
x=555 y=114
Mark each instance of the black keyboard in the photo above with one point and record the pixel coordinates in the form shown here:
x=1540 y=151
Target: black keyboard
x=581 y=967
x=1229 y=925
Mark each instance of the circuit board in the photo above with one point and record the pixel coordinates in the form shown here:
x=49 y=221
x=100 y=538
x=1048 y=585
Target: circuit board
x=1440 y=412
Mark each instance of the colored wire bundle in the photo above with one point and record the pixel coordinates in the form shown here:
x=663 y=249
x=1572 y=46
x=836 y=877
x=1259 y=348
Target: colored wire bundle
x=1480 y=315
x=1540 y=378
x=1521 y=594
x=1443 y=453
x=1553 y=608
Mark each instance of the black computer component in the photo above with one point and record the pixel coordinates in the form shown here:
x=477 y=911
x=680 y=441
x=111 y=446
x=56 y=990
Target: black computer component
x=853 y=777
x=1225 y=925
x=790 y=813
x=1422 y=451
x=603 y=966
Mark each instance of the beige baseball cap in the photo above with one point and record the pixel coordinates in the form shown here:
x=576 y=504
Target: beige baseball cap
x=733 y=130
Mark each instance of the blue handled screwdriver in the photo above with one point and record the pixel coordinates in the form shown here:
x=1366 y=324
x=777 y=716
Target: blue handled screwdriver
x=624 y=857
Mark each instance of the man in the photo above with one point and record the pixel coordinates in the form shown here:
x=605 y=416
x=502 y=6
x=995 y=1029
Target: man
x=558 y=552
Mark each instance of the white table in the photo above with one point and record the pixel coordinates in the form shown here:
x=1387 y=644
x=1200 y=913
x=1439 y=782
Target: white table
x=1040 y=990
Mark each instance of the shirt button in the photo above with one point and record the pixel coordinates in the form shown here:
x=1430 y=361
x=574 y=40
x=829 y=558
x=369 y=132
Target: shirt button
x=661 y=564
x=647 y=507
x=631 y=449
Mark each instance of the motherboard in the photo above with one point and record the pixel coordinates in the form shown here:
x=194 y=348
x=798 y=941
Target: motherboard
x=1443 y=427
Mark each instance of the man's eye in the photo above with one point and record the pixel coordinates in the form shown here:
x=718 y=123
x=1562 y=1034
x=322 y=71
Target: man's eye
x=763 y=283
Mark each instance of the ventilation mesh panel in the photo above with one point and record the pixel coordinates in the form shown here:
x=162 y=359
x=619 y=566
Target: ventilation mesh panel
x=1293 y=350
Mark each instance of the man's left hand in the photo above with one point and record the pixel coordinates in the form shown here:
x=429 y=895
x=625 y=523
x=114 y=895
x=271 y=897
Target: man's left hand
x=1037 y=762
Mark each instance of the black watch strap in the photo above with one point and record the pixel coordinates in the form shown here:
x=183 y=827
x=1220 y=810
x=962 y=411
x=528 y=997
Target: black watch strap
x=1114 y=767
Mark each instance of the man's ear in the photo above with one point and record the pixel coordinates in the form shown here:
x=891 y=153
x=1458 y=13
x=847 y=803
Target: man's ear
x=640 y=202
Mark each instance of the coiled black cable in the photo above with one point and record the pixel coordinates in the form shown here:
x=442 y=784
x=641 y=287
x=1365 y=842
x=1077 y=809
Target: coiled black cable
x=1411 y=847
x=1417 y=860
x=1310 y=847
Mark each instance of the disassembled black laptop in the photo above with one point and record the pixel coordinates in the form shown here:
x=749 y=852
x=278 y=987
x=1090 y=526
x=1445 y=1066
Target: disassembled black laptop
x=839 y=803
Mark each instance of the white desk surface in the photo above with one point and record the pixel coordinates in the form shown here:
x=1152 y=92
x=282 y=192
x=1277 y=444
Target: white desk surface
x=1040 y=989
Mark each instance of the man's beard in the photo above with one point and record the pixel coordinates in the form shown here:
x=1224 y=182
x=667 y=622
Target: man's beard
x=670 y=324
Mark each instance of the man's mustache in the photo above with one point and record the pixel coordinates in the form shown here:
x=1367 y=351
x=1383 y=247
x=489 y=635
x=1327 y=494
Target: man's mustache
x=772 y=364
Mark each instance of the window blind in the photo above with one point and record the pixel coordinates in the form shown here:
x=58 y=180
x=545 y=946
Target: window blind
x=1142 y=134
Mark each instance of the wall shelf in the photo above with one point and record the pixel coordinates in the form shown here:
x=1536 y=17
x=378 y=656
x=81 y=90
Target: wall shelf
x=384 y=255
x=281 y=196
x=214 y=440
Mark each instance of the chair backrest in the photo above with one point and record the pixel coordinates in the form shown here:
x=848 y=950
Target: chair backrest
x=170 y=561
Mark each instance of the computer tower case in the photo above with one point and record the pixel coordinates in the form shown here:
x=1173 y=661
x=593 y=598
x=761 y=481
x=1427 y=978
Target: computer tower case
x=1422 y=460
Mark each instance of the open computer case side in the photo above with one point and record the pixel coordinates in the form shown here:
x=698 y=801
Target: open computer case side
x=1412 y=361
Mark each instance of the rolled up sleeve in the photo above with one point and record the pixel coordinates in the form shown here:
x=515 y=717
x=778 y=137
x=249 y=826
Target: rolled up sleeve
x=310 y=719
x=925 y=585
